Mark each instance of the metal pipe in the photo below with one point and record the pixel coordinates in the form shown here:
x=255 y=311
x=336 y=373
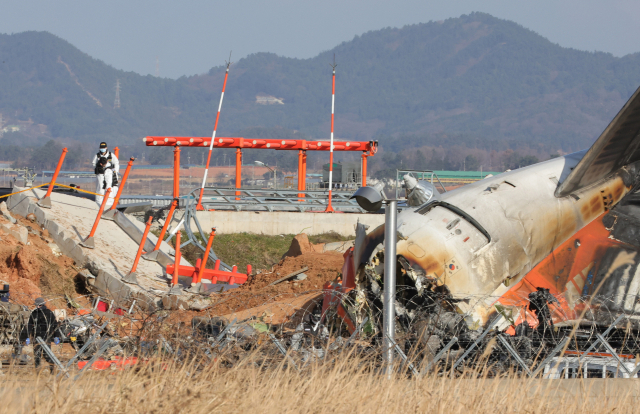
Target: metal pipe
x=304 y=172
x=388 y=319
x=141 y=247
x=121 y=184
x=174 y=204
x=238 y=172
x=88 y=242
x=46 y=201
x=300 y=174
x=176 y=272
x=333 y=100
x=364 y=169
x=203 y=264
x=213 y=138
x=176 y=172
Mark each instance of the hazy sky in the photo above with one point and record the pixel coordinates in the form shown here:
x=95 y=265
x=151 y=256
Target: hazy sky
x=189 y=37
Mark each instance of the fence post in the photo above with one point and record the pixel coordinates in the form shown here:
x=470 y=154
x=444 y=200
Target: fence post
x=205 y=257
x=109 y=215
x=132 y=277
x=153 y=255
x=46 y=200
x=89 y=242
x=176 y=267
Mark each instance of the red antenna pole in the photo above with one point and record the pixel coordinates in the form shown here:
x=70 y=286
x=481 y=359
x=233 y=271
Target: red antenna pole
x=213 y=138
x=333 y=100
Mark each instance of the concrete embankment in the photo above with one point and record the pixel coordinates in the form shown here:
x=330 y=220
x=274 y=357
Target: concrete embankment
x=69 y=221
x=277 y=222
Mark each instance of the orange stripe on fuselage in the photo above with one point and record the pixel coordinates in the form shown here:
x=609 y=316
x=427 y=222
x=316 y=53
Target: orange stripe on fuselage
x=562 y=267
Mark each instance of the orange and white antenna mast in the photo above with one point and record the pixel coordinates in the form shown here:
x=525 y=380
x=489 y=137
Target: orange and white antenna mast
x=213 y=138
x=333 y=101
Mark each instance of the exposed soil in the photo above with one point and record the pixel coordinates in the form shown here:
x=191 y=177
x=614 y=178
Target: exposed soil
x=37 y=268
x=323 y=267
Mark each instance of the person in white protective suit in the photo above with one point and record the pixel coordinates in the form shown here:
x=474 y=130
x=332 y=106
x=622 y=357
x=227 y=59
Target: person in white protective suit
x=107 y=167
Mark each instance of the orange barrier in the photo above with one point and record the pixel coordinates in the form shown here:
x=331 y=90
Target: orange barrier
x=89 y=242
x=215 y=275
x=46 y=200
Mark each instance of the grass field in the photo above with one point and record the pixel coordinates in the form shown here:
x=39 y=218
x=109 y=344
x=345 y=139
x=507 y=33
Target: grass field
x=349 y=386
x=261 y=251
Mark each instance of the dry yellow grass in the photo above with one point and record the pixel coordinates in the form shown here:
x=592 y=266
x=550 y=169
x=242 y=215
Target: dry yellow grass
x=349 y=386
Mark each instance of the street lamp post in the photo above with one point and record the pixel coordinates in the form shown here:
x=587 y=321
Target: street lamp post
x=262 y=164
x=372 y=199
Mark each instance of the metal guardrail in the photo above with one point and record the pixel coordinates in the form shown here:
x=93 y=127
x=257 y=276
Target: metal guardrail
x=156 y=201
x=216 y=198
x=274 y=200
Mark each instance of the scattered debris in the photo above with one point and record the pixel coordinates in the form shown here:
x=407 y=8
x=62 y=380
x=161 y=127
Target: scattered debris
x=291 y=275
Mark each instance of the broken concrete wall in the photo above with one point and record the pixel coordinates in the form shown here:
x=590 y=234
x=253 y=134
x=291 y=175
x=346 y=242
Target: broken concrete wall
x=104 y=282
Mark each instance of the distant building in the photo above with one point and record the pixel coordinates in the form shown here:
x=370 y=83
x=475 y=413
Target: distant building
x=268 y=100
x=11 y=128
x=347 y=173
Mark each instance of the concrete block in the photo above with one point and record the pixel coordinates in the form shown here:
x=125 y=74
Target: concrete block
x=78 y=256
x=147 y=303
x=174 y=302
x=4 y=210
x=40 y=216
x=53 y=228
x=20 y=205
x=67 y=245
x=20 y=233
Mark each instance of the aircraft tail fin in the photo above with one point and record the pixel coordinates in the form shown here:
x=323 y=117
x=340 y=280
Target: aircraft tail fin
x=617 y=146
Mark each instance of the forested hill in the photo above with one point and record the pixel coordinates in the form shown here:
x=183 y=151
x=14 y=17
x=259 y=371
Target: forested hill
x=477 y=77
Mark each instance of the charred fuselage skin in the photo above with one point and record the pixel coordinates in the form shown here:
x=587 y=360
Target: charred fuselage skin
x=478 y=240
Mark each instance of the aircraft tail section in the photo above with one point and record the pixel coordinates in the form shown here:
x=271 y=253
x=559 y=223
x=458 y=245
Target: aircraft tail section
x=617 y=146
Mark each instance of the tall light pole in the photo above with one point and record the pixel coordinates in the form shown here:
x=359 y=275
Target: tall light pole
x=262 y=164
x=371 y=199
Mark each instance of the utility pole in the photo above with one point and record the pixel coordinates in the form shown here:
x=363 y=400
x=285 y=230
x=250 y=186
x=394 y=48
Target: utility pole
x=116 y=103
x=157 y=67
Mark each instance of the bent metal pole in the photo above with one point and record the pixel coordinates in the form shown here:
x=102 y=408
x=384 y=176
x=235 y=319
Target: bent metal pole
x=213 y=138
x=388 y=310
x=333 y=100
x=46 y=200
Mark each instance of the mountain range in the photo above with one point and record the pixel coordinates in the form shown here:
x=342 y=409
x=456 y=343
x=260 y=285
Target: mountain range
x=477 y=80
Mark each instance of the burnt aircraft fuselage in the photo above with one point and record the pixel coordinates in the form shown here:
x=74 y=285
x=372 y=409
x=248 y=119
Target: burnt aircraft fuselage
x=477 y=241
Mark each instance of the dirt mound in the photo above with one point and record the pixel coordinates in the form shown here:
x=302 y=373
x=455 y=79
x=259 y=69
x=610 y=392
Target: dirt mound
x=36 y=268
x=301 y=245
x=323 y=267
